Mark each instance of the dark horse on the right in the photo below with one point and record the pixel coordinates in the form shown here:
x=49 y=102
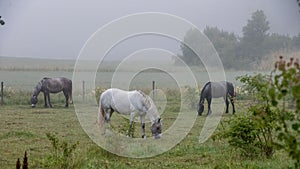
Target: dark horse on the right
x=215 y=90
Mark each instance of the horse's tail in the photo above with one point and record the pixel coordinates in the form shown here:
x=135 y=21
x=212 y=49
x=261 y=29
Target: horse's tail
x=202 y=94
x=101 y=113
x=70 y=93
x=230 y=89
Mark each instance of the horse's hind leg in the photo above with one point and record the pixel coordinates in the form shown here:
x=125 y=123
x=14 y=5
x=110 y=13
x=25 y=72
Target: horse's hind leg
x=227 y=104
x=70 y=97
x=67 y=98
x=108 y=113
x=232 y=103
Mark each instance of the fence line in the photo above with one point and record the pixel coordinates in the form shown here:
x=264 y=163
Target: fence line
x=153 y=88
x=2 y=94
x=83 y=91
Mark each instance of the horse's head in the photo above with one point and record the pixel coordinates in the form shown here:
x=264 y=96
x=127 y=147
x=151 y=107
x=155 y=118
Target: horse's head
x=156 y=128
x=200 y=109
x=34 y=101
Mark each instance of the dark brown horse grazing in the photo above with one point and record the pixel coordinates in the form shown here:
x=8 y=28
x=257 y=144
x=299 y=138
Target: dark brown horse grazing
x=52 y=85
x=215 y=90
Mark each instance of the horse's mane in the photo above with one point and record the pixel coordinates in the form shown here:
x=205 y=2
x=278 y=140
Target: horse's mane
x=46 y=78
x=147 y=99
x=208 y=83
x=37 y=88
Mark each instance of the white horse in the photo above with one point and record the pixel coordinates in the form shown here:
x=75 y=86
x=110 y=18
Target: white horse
x=129 y=103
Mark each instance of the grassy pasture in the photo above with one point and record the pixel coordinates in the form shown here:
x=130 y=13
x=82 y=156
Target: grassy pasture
x=23 y=128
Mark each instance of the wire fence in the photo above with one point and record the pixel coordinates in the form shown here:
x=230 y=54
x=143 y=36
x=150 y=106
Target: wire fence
x=12 y=90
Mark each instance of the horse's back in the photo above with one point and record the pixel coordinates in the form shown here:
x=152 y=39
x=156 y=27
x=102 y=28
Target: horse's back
x=119 y=100
x=220 y=89
x=57 y=84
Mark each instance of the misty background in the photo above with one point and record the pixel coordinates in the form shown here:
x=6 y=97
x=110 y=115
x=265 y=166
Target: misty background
x=58 y=29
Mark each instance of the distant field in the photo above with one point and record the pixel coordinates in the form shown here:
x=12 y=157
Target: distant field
x=27 y=64
x=25 y=73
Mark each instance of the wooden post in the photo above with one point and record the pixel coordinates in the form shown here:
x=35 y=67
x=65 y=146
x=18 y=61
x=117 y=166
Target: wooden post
x=2 y=94
x=83 y=91
x=153 y=88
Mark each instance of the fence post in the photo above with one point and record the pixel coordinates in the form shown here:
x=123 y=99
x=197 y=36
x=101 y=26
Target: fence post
x=153 y=88
x=83 y=91
x=2 y=94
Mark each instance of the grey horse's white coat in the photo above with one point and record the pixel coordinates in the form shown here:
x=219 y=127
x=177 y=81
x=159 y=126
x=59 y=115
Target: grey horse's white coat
x=129 y=103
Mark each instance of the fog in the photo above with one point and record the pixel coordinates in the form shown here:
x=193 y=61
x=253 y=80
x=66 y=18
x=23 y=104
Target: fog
x=59 y=29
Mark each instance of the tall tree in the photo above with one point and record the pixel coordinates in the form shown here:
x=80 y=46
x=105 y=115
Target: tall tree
x=254 y=35
x=225 y=44
x=192 y=40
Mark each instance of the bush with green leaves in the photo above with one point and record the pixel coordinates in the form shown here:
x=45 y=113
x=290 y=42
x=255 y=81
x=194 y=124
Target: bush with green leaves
x=191 y=96
x=285 y=97
x=253 y=131
x=242 y=135
x=273 y=118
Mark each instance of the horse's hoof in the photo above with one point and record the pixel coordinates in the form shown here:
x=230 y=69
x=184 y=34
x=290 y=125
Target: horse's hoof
x=208 y=113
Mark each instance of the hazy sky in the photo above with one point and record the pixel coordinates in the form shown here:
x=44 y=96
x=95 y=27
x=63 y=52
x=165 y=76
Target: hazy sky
x=59 y=28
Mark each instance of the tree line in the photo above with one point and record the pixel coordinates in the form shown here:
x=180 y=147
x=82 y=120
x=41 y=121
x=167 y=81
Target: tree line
x=243 y=52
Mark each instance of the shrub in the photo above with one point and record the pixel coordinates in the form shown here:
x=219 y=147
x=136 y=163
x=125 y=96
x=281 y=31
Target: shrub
x=63 y=154
x=242 y=135
x=191 y=96
x=274 y=118
x=253 y=133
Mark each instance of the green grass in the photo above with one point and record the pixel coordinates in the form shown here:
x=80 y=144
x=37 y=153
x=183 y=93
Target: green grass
x=24 y=129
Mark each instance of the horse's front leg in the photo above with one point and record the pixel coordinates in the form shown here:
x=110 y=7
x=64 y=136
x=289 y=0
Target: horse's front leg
x=45 y=99
x=48 y=95
x=208 y=105
x=131 y=124
x=143 y=126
